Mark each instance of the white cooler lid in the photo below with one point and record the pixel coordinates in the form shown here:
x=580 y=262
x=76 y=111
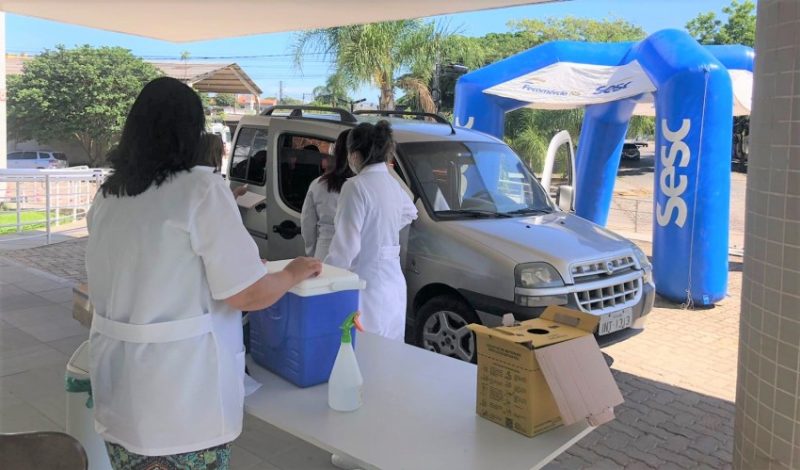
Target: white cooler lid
x=332 y=279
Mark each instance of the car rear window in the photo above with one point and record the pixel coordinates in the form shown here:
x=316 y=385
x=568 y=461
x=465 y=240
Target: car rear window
x=22 y=156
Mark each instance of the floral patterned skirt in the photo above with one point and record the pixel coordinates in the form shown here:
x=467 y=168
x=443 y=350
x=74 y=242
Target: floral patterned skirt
x=215 y=458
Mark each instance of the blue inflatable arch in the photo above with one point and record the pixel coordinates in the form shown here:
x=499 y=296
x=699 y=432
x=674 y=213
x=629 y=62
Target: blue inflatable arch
x=694 y=102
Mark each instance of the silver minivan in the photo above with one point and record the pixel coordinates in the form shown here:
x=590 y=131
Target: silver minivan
x=489 y=239
x=41 y=159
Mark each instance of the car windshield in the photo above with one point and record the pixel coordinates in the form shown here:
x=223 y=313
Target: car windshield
x=474 y=179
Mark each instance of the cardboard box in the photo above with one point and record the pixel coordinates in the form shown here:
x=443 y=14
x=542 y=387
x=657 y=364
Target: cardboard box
x=544 y=372
x=81 y=307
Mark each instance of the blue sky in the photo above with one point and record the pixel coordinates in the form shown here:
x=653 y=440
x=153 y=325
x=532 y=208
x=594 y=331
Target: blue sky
x=31 y=35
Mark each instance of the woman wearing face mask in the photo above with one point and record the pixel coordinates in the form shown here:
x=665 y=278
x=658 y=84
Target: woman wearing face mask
x=372 y=210
x=319 y=208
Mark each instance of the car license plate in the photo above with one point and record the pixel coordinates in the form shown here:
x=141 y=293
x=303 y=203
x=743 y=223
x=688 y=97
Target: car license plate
x=616 y=321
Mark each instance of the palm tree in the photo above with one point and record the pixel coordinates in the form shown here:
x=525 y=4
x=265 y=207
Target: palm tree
x=334 y=92
x=417 y=89
x=373 y=53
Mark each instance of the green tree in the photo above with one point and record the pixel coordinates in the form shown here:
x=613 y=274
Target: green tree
x=80 y=94
x=529 y=33
x=204 y=99
x=288 y=100
x=576 y=29
x=449 y=49
x=224 y=99
x=373 y=53
x=739 y=26
x=335 y=91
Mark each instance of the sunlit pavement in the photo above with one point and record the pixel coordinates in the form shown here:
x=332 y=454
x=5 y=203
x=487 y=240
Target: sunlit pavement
x=678 y=377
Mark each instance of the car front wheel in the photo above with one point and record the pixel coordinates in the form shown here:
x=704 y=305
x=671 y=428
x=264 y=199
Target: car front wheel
x=442 y=328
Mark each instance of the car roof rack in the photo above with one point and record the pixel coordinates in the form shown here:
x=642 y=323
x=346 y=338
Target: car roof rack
x=296 y=112
x=418 y=114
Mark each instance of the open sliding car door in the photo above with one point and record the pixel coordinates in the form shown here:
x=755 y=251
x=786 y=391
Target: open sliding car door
x=558 y=174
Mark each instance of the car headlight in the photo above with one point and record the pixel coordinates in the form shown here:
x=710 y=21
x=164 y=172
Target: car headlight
x=644 y=263
x=537 y=275
x=642 y=258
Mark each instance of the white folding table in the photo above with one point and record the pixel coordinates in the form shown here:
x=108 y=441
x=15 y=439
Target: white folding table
x=418 y=413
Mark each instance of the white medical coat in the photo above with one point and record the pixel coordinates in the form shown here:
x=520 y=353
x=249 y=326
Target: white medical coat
x=166 y=353
x=316 y=219
x=372 y=210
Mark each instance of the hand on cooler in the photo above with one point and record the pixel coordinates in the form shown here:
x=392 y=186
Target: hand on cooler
x=303 y=268
x=239 y=191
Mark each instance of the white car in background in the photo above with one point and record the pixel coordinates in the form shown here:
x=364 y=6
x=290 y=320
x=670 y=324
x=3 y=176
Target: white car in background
x=37 y=159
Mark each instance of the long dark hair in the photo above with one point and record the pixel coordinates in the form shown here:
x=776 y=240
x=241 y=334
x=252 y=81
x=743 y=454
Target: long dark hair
x=209 y=153
x=374 y=142
x=338 y=173
x=160 y=138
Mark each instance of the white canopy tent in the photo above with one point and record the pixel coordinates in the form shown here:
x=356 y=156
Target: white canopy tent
x=195 y=20
x=569 y=85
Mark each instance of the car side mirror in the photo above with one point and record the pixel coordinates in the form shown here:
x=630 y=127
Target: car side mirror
x=564 y=197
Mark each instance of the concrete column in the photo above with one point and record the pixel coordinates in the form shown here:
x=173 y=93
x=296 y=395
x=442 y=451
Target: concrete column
x=767 y=429
x=3 y=94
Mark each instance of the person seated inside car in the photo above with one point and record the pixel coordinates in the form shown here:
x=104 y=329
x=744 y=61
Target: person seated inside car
x=254 y=171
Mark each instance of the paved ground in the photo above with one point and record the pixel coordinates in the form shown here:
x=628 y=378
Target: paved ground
x=64 y=259
x=678 y=377
x=635 y=182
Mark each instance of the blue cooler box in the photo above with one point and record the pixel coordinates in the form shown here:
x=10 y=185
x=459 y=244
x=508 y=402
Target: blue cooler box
x=298 y=337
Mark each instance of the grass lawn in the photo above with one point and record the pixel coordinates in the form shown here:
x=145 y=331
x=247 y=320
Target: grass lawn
x=31 y=221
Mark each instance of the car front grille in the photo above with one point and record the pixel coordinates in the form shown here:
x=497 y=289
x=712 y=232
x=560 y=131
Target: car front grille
x=610 y=298
x=584 y=272
x=620 y=290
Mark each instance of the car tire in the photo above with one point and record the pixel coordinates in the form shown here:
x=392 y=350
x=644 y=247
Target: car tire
x=441 y=327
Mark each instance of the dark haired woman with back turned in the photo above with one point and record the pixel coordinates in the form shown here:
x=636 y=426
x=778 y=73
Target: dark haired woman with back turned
x=319 y=207
x=372 y=210
x=170 y=269
x=210 y=154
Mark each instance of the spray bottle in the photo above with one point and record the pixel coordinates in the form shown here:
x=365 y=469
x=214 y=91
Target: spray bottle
x=345 y=385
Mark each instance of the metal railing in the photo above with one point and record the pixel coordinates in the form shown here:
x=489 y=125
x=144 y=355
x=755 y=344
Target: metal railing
x=35 y=203
x=633 y=215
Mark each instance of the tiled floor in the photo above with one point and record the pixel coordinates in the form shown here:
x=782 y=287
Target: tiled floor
x=37 y=337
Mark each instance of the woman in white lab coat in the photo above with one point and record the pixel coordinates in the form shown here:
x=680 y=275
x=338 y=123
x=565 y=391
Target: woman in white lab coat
x=319 y=207
x=372 y=210
x=211 y=153
x=170 y=269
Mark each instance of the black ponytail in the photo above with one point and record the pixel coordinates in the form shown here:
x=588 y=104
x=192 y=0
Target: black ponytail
x=339 y=170
x=375 y=143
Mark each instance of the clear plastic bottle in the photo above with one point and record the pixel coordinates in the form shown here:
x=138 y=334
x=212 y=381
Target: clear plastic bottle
x=345 y=387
